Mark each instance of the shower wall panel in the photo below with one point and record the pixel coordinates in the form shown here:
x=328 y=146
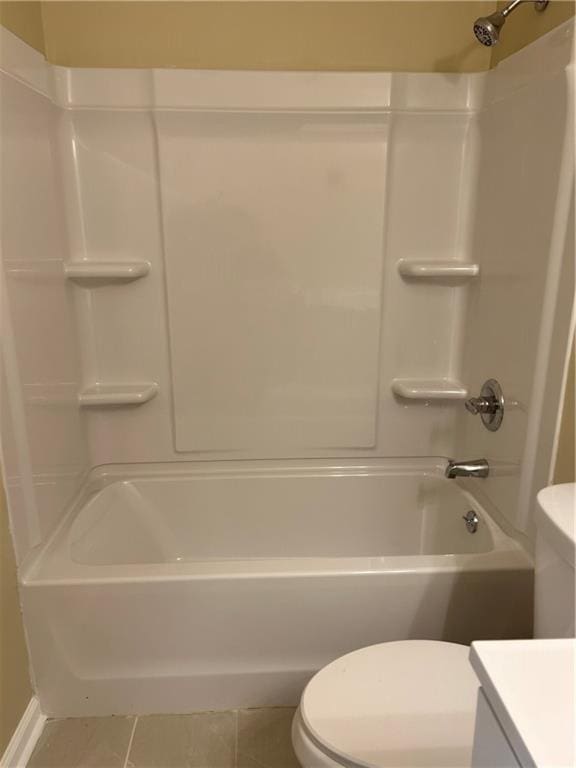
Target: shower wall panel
x=45 y=450
x=242 y=234
x=518 y=319
x=274 y=318
x=274 y=244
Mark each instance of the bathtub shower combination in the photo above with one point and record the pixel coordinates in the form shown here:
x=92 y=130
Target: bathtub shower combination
x=239 y=341
x=208 y=589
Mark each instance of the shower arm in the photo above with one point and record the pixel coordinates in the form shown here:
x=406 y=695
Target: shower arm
x=538 y=4
x=511 y=7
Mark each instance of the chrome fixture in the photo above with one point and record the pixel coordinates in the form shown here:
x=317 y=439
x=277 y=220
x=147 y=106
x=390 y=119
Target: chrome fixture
x=490 y=405
x=487 y=28
x=471 y=519
x=473 y=468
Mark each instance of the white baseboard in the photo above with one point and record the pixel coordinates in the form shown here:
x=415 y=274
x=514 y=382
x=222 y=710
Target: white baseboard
x=24 y=737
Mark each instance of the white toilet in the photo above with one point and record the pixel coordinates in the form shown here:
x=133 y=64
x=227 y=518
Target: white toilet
x=412 y=703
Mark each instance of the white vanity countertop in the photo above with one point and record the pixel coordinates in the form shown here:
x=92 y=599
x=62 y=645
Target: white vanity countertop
x=531 y=687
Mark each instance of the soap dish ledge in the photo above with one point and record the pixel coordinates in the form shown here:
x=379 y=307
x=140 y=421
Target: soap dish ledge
x=103 y=395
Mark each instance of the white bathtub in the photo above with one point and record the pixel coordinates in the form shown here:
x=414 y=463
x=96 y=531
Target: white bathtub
x=217 y=590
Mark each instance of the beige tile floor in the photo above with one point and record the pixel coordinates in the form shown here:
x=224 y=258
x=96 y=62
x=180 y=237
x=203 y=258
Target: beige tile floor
x=248 y=738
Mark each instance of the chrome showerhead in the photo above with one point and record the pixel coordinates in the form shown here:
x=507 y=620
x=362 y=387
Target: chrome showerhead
x=487 y=28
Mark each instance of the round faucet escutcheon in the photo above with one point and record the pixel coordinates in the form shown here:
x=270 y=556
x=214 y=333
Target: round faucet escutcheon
x=489 y=405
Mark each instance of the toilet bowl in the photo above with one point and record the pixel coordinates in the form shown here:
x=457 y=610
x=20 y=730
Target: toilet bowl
x=410 y=703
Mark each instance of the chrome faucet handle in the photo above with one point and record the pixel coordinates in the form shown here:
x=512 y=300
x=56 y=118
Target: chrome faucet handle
x=478 y=405
x=490 y=405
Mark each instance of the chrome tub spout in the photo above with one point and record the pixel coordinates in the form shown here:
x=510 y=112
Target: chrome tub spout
x=473 y=468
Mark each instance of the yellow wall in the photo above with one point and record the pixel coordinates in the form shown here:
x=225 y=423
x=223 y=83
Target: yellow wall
x=565 y=470
x=24 y=19
x=406 y=36
x=15 y=690
x=394 y=35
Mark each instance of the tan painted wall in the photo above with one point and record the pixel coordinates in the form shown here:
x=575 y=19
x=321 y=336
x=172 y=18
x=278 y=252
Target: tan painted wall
x=565 y=471
x=24 y=19
x=395 y=35
x=405 y=36
x=15 y=689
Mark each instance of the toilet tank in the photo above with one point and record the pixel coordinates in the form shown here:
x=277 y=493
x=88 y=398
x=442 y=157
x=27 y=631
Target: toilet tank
x=554 y=592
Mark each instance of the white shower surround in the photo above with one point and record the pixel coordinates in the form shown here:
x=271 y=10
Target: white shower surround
x=111 y=177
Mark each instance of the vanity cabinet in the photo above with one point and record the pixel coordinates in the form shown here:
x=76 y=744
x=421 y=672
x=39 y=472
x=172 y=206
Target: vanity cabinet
x=491 y=747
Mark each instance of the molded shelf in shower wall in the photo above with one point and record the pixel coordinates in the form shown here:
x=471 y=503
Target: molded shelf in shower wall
x=429 y=389
x=414 y=269
x=106 y=270
x=103 y=395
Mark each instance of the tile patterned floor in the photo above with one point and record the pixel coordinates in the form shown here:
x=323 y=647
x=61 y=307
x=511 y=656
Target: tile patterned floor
x=249 y=738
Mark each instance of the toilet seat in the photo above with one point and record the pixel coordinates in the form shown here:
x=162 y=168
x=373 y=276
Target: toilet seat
x=410 y=703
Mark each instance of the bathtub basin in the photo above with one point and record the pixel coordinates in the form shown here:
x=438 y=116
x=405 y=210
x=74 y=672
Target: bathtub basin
x=175 y=593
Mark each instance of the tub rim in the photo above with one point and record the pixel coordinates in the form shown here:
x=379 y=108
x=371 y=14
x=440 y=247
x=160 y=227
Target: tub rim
x=53 y=565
